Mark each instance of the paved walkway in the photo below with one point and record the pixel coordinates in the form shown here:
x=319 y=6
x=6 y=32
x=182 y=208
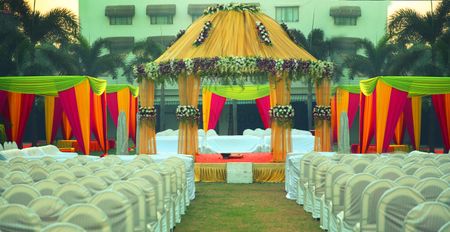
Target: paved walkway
x=244 y=207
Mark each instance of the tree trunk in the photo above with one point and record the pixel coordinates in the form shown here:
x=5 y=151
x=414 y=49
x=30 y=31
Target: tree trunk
x=309 y=105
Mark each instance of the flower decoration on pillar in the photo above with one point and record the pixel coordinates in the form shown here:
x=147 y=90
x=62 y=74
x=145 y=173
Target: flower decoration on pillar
x=203 y=34
x=263 y=34
x=187 y=113
x=147 y=112
x=282 y=114
x=322 y=112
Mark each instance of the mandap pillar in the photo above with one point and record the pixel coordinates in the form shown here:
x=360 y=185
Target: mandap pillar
x=322 y=116
x=147 y=117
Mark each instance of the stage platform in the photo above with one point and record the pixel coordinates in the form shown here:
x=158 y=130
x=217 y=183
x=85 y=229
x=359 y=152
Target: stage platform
x=213 y=167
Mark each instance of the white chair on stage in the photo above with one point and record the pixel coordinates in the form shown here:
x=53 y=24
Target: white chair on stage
x=63 y=226
x=394 y=205
x=117 y=208
x=73 y=193
x=428 y=171
x=248 y=132
x=136 y=199
x=15 y=217
x=369 y=201
x=431 y=187
x=407 y=180
x=428 y=216
x=87 y=216
x=444 y=197
x=20 y=194
x=46 y=187
x=211 y=132
x=93 y=184
x=48 y=208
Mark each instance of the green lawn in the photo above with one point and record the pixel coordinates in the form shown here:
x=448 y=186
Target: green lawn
x=244 y=207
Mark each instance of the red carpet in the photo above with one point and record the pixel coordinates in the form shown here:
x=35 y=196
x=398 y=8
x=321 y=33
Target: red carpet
x=246 y=157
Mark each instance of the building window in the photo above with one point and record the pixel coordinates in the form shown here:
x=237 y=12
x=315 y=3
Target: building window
x=120 y=44
x=161 y=19
x=120 y=20
x=344 y=20
x=286 y=14
x=345 y=15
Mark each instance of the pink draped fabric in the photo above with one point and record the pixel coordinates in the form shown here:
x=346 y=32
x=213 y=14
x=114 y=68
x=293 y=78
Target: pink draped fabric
x=364 y=141
x=397 y=103
x=57 y=118
x=26 y=104
x=69 y=104
x=113 y=106
x=217 y=103
x=440 y=107
x=353 y=104
x=263 y=105
x=408 y=122
x=97 y=128
x=3 y=100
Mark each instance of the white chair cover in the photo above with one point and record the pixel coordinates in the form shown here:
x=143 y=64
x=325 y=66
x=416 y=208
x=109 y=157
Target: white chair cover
x=95 y=166
x=146 y=158
x=4 y=170
x=411 y=168
x=446 y=178
x=62 y=176
x=407 y=180
x=121 y=171
x=444 y=197
x=47 y=160
x=18 y=159
x=56 y=166
x=428 y=216
x=136 y=199
x=248 y=132
x=389 y=172
x=337 y=200
x=46 y=187
x=319 y=186
x=117 y=208
x=14 y=217
x=153 y=217
x=35 y=163
x=431 y=187
x=87 y=216
x=429 y=162
x=94 y=184
x=63 y=226
x=445 y=228
x=18 y=167
x=428 y=171
x=3 y=201
x=20 y=194
x=369 y=201
x=309 y=198
x=48 y=208
x=80 y=171
x=359 y=164
x=394 y=205
x=445 y=168
x=73 y=193
x=17 y=177
x=4 y=184
x=38 y=173
x=374 y=167
x=107 y=175
x=33 y=151
x=442 y=159
x=71 y=162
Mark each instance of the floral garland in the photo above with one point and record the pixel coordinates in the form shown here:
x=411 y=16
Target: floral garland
x=147 y=112
x=263 y=34
x=231 y=6
x=321 y=112
x=203 y=34
x=180 y=33
x=187 y=113
x=282 y=113
x=235 y=69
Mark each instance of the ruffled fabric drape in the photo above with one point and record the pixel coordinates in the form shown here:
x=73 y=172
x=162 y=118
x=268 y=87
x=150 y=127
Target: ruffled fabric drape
x=98 y=120
x=113 y=106
x=263 y=105
x=280 y=94
x=441 y=103
x=147 y=134
x=412 y=120
x=322 y=141
x=188 y=91
x=20 y=106
x=53 y=117
x=367 y=117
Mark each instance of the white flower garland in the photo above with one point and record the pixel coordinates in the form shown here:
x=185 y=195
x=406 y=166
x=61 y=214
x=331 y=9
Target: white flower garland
x=203 y=34
x=263 y=34
x=187 y=112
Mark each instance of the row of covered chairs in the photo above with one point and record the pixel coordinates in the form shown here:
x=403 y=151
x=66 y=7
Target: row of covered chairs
x=8 y=145
x=139 y=195
x=373 y=192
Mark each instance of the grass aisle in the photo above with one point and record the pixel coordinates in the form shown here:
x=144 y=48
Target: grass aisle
x=251 y=207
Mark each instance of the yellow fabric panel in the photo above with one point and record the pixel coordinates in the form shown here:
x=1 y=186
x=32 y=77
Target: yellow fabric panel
x=147 y=134
x=268 y=173
x=66 y=128
x=322 y=128
x=234 y=33
x=84 y=109
x=399 y=129
x=262 y=172
x=367 y=121
x=416 y=103
x=206 y=109
x=98 y=118
x=342 y=97
x=49 y=108
x=15 y=106
x=123 y=103
x=383 y=97
x=205 y=172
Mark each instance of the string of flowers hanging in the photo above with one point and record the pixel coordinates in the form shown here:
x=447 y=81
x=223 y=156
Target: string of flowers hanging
x=263 y=34
x=203 y=34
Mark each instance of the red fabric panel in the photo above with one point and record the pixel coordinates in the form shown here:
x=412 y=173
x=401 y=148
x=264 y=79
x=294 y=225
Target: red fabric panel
x=217 y=103
x=27 y=102
x=353 y=104
x=3 y=101
x=132 y=119
x=440 y=108
x=57 y=118
x=396 y=106
x=113 y=106
x=96 y=128
x=263 y=105
x=408 y=122
x=69 y=104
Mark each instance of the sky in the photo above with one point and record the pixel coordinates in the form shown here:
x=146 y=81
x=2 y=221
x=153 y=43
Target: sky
x=45 y=5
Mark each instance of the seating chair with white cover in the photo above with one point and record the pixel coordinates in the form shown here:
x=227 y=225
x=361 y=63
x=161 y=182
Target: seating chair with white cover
x=138 y=164
x=33 y=151
x=4 y=170
x=389 y=172
x=428 y=171
x=146 y=158
x=175 y=190
x=62 y=176
x=446 y=178
x=429 y=162
x=82 y=159
x=445 y=228
x=359 y=164
x=87 y=216
x=177 y=187
x=369 y=201
x=352 y=200
x=442 y=159
x=15 y=217
x=73 y=193
x=35 y=163
x=38 y=173
x=4 y=184
x=63 y=226
x=94 y=184
x=17 y=177
x=56 y=166
x=153 y=217
x=18 y=159
x=336 y=205
x=107 y=175
x=444 y=168
x=181 y=165
x=347 y=159
x=444 y=197
x=394 y=205
x=18 y=167
x=407 y=180
x=111 y=160
x=333 y=173
x=431 y=187
x=95 y=166
x=310 y=179
x=303 y=177
x=48 y=208
x=412 y=159
x=411 y=168
x=20 y=194
x=117 y=208
x=46 y=187
x=47 y=160
x=374 y=167
x=428 y=216
x=211 y=132
x=71 y=162
x=248 y=132
x=319 y=186
x=395 y=162
x=136 y=199
x=121 y=171
x=80 y=171
x=3 y=201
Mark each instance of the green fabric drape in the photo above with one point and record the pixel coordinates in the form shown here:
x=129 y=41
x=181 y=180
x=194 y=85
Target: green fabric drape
x=413 y=85
x=115 y=88
x=48 y=85
x=349 y=88
x=246 y=92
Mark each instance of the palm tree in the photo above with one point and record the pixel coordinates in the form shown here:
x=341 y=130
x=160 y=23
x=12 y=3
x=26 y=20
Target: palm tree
x=143 y=52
